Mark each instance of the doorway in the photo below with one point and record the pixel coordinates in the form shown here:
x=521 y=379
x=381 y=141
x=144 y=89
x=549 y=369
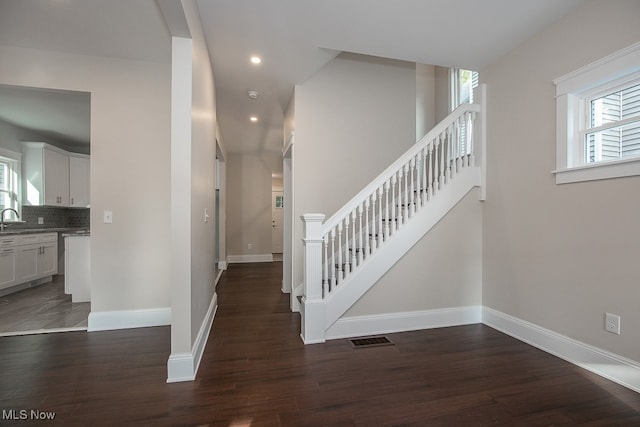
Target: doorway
x=62 y=119
x=277 y=222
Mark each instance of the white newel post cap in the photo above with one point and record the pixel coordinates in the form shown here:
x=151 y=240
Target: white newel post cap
x=312 y=225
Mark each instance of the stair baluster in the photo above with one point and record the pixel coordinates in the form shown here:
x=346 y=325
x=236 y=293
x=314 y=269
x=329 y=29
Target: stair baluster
x=470 y=119
x=347 y=257
x=412 y=168
x=354 y=249
x=380 y=229
x=367 y=240
x=332 y=261
x=339 y=266
x=372 y=235
x=450 y=155
x=361 y=254
x=325 y=268
x=430 y=192
x=386 y=209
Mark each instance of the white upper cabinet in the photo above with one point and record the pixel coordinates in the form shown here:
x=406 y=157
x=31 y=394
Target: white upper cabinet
x=79 y=173
x=54 y=177
x=55 y=189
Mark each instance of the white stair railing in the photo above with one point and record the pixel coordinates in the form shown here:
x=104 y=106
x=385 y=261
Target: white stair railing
x=344 y=243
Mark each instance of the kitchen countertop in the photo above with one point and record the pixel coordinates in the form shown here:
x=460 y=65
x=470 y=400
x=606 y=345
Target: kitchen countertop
x=79 y=233
x=66 y=230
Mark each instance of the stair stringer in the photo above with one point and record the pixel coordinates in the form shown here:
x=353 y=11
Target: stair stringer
x=377 y=264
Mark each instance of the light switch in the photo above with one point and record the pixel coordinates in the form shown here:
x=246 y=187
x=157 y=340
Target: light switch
x=108 y=217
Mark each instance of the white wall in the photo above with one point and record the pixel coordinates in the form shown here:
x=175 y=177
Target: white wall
x=289 y=120
x=425 y=99
x=352 y=119
x=203 y=163
x=193 y=190
x=559 y=256
x=129 y=164
x=249 y=203
x=442 y=91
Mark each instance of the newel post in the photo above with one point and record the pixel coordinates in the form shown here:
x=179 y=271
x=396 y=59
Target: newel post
x=312 y=308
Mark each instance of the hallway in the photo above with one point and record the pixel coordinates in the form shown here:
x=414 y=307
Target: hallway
x=256 y=372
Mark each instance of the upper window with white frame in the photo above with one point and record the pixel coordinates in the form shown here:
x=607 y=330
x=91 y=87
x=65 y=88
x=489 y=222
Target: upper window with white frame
x=10 y=183
x=461 y=85
x=598 y=119
x=613 y=130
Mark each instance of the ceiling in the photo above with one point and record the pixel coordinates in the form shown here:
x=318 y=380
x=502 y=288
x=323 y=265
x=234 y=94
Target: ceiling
x=62 y=116
x=293 y=37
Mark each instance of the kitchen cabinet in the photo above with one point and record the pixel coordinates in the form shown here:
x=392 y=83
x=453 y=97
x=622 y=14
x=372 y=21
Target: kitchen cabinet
x=79 y=178
x=30 y=257
x=54 y=177
x=7 y=261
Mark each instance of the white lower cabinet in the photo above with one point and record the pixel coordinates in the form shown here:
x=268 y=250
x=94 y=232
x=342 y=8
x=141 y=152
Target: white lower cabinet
x=28 y=257
x=7 y=267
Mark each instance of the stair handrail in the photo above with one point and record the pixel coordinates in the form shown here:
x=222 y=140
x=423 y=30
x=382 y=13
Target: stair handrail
x=359 y=198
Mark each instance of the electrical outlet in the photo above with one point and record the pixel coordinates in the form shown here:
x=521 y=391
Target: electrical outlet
x=40 y=220
x=250 y=246
x=612 y=323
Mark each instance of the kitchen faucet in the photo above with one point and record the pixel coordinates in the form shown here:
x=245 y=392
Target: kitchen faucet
x=2 y=223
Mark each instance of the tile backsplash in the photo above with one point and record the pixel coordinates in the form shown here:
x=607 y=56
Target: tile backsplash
x=54 y=217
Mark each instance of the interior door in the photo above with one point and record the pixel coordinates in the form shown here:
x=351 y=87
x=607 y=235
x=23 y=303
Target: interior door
x=277 y=216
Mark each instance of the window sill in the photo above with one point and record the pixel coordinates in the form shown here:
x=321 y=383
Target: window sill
x=598 y=171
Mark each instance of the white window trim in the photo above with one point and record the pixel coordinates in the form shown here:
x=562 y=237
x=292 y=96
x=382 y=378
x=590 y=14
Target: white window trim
x=571 y=90
x=17 y=159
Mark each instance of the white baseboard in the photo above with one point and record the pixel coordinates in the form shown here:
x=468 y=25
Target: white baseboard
x=219 y=276
x=184 y=366
x=126 y=319
x=180 y=367
x=608 y=365
x=348 y=327
x=238 y=259
x=222 y=265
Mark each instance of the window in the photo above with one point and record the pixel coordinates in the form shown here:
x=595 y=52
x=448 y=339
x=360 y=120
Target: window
x=462 y=82
x=598 y=119
x=10 y=183
x=614 y=125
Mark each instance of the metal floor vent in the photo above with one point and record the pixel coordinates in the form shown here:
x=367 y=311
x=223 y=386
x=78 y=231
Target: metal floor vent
x=370 y=342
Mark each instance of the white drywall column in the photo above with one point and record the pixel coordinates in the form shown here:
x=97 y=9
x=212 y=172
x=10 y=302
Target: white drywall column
x=181 y=76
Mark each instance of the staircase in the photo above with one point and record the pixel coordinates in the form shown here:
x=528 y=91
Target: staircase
x=348 y=253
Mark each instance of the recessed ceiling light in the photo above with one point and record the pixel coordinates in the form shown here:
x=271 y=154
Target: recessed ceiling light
x=256 y=60
x=253 y=94
x=253 y=118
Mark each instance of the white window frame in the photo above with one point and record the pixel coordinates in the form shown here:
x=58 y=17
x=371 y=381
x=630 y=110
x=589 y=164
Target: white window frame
x=573 y=92
x=455 y=88
x=14 y=160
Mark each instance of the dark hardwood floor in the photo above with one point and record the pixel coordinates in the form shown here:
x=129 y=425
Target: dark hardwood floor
x=256 y=372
